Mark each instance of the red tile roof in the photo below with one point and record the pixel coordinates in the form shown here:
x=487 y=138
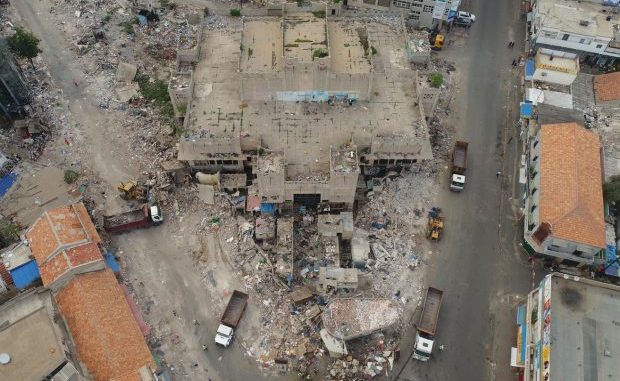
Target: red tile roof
x=607 y=87
x=63 y=239
x=571 y=185
x=60 y=228
x=106 y=336
x=67 y=260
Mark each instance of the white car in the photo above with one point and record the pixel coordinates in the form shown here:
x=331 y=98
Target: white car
x=465 y=18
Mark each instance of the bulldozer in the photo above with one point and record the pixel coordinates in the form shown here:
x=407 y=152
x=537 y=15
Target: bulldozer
x=435 y=224
x=133 y=190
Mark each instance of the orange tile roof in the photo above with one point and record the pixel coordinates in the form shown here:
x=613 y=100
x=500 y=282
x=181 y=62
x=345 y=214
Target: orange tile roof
x=607 y=87
x=66 y=260
x=61 y=228
x=106 y=336
x=571 y=185
x=62 y=239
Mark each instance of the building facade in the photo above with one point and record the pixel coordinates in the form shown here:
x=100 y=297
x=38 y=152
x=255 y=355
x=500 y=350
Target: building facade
x=587 y=28
x=564 y=205
x=420 y=13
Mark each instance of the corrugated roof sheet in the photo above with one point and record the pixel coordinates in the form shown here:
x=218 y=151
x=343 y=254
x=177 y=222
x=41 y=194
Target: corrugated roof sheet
x=106 y=336
x=25 y=275
x=571 y=185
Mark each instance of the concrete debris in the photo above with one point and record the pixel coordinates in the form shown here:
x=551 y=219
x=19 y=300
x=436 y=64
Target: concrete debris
x=126 y=72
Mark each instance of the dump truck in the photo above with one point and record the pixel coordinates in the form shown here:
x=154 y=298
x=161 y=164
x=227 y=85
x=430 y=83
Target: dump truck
x=141 y=217
x=459 y=165
x=427 y=325
x=230 y=318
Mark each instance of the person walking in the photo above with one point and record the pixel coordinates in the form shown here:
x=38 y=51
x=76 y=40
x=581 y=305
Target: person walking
x=498 y=174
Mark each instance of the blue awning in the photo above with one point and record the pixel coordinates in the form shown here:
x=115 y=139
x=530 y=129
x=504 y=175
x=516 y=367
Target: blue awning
x=521 y=310
x=267 y=208
x=7 y=182
x=26 y=274
x=530 y=68
x=527 y=110
x=111 y=262
x=612 y=262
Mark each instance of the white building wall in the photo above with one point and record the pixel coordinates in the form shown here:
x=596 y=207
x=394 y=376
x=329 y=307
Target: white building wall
x=552 y=76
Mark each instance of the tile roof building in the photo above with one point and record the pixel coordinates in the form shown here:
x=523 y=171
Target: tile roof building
x=607 y=89
x=564 y=216
x=64 y=242
x=108 y=340
x=106 y=335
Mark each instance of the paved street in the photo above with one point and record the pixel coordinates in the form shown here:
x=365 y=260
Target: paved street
x=478 y=264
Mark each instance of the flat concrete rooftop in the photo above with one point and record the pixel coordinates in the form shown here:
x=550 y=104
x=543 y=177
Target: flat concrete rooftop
x=348 y=44
x=304 y=34
x=567 y=16
x=261 y=45
x=585 y=338
x=305 y=131
x=31 y=338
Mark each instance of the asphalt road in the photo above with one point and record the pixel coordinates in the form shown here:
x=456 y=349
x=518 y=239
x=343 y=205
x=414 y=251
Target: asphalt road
x=478 y=263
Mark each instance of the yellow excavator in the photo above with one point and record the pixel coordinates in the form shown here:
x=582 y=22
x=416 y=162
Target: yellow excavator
x=133 y=190
x=435 y=224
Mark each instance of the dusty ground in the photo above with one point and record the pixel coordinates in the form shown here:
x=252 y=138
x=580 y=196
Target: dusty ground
x=184 y=270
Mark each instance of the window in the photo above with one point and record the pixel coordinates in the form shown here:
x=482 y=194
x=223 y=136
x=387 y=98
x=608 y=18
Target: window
x=533 y=208
x=400 y=4
x=598 y=46
x=565 y=37
x=535 y=158
x=534 y=191
x=530 y=227
x=535 y=144
x=416 y=13
x=416 y=5
x=549 y=34
x=427 y=8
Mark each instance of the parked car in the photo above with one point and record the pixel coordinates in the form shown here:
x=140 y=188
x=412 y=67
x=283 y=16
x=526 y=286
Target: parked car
x=465 y=18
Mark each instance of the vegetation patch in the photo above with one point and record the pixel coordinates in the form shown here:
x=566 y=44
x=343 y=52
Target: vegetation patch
x=319 y=53
x=156 y=92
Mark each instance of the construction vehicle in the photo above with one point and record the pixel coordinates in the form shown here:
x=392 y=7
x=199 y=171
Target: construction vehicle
x=435 y=224
x=141 y=217
x=459 y=165
x=231 y=317
x=436 y=40
x=427 y=325
x=133 y=190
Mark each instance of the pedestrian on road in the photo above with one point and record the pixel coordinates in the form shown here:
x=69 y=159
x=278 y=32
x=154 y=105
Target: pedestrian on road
x=498 y=174
x=204 y=347
x=441 y=347
x=514 y=62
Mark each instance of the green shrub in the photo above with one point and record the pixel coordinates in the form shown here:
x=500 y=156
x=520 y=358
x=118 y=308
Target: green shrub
x=71 y=176
x=9 y=232
x=436 y=80
x=319 y=53
x=319 y=14
x=234 y=12
x=156 y=92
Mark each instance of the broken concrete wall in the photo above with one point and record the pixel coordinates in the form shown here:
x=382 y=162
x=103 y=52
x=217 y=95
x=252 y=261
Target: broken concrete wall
x=181 y=90
x=429 y=97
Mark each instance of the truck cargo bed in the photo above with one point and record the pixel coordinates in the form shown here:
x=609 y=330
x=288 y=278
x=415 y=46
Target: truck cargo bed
x=234 y=309
x=430 y=311
x=459 y=156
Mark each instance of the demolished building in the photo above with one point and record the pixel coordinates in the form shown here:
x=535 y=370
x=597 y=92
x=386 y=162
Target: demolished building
x=304 y=105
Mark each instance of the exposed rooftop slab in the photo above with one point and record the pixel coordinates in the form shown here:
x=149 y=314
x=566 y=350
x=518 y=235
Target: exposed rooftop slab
x=580 y=17
x=304 y=34
x=348 y=44
x=585 y=337
x=352 y=318
x=261 y=45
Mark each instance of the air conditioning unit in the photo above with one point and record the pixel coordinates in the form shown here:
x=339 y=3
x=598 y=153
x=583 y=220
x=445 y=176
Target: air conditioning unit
x=584 y=22
x=67 y=373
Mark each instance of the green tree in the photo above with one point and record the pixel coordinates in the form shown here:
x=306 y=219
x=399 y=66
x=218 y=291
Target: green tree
x=24 y=44
x=9 y=232
x=612 y=189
